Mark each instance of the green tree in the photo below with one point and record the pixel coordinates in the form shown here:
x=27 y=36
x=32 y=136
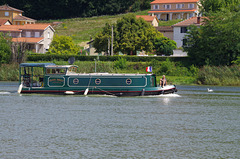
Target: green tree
x=63 y=45
x=217 y=42
x=164 y=46
x=208 y=6
x=130 y=35
x=5 y=49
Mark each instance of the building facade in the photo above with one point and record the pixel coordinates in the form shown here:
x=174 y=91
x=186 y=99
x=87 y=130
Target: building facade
x=180 y=29
x=14 y=15
x=38 y=37
x=174 y=9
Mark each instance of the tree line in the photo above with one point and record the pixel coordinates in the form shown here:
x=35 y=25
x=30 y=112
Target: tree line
x=57 y=9
x=217 y=41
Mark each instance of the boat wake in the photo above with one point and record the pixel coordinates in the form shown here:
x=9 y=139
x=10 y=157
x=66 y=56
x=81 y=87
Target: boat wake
x=165 y=95
x=5 y=92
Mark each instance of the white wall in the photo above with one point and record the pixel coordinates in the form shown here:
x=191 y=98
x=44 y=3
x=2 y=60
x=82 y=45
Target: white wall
x=178 y=36
x=48 y=37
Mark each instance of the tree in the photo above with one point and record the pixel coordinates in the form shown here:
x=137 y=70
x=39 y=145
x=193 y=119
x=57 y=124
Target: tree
x=5 y=49
x=130 y=35
x=217 y=42
x=164 y=46
x=19 y=50
x=63 y=45
x=208 y=6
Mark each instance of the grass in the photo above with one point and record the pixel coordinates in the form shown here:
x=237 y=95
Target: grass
x=82 y=29
x=169 y=23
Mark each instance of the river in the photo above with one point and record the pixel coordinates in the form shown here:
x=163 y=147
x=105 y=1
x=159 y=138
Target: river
x=190 y=124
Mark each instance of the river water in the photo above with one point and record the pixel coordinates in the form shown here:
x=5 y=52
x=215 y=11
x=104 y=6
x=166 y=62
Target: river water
x=190 y=124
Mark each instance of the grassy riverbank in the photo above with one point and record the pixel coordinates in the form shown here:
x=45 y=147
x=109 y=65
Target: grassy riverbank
x=222 y=76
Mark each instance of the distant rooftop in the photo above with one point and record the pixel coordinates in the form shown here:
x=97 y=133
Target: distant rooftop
x=190 y=21
x=6 y=7
x=173 y=1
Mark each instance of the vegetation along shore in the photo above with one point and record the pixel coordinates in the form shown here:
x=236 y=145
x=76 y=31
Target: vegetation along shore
x=175 y=71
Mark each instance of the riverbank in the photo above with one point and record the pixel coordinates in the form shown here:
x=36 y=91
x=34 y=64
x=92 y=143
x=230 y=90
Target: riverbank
x=221 y=76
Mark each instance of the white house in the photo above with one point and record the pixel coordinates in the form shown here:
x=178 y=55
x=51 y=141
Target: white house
x=37 y=36
x=180 y=29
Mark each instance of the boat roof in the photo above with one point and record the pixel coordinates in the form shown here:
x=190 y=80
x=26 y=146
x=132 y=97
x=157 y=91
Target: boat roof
x=60 y=66
x=36 y=64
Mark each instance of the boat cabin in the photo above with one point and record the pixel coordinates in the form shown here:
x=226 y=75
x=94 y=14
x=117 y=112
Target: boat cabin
x=33 y=74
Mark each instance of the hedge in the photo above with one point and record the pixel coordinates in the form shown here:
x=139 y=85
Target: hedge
x=47 y=57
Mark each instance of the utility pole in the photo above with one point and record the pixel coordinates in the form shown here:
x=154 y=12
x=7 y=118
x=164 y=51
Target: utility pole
x=108 y=52
x=112 y=42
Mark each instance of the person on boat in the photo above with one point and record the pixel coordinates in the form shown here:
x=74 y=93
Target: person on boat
x=163 y=81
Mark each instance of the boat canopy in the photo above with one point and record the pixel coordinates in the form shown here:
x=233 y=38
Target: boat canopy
x=61 y=66
x=36 y=64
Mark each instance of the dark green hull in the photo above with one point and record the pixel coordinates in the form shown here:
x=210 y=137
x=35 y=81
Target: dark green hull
x=110 y=84
x=49 y=78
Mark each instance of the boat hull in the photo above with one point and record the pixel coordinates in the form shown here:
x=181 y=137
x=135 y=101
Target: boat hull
x=106 y=91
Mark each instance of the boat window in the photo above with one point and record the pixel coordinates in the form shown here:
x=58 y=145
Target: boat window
x=129 y=81
x=59 y=71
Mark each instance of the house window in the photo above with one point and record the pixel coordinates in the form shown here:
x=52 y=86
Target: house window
x=167 y=6
x=178 y=6
x=191 y=5
x=48 y=35
x=6 y=14
x=184 y=42
x=191 y=15
x=183 y=29
x=155 y=6
x=28 y=34
x=37 y=34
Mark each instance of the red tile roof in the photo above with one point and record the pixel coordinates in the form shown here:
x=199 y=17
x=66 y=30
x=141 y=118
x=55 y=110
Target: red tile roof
x=190 y=21
x=172 y=11
x=9 y=28
x=27 y=40
x=165 y=28
x=8 y=8
x=3 y=21
x=20 y=17
x=38 y=26
x=146 y=17
x=173 y=1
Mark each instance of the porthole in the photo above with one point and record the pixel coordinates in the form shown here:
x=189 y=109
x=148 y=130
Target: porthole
x=129 y=81
x=98 y=81
x=75 y=81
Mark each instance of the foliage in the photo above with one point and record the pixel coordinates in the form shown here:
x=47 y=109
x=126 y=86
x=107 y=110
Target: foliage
x=221 y=75
x=169 y=22
x=5 y=49
x=237 y=62
x=52 y=9
x=121 y=63
x=19 y=52
x=130 y=35
x=9 y=72
x=63 y=45
x=164 y=46
x=208 y=6
x=57 y=57
x=217 y=42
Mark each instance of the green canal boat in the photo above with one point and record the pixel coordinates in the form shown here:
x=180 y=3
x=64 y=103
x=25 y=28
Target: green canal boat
x=49 y=78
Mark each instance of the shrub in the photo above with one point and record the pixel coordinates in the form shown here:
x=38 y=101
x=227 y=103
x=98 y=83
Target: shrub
x=121 y=63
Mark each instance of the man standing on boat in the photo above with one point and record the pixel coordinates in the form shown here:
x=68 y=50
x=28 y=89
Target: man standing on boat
x=163 y=81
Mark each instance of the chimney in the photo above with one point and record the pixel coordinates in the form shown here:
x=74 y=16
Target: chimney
x=198 y=20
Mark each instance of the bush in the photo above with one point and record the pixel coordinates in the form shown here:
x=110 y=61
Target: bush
x=48 y=57
x=121 y=63
x=5 y=49
x=222 y=75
